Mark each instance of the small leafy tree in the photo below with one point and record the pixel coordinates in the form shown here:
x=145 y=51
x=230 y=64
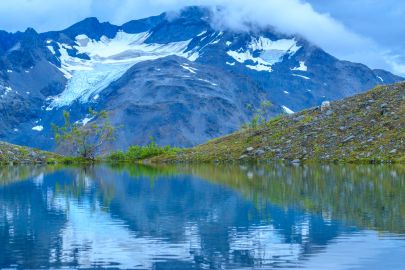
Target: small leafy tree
x=260 y=115
x=84 y=140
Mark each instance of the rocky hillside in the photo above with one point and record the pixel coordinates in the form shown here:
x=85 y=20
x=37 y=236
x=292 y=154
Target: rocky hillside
x=14 y=154
x=369 y=127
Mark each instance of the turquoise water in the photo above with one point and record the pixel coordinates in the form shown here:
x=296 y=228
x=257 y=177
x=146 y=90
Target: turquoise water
x=203 y=217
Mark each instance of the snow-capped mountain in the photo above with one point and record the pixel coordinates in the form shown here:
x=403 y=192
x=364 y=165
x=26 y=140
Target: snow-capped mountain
x=179 y=79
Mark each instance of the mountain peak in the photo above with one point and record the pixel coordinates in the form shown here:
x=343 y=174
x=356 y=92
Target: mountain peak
x=30 y=38
x=31 y=31
x=93 y=28
x=90 y=20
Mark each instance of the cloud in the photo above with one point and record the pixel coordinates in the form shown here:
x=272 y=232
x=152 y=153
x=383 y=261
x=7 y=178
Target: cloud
x=42 y=15
x=299 y=17
x=287 y=16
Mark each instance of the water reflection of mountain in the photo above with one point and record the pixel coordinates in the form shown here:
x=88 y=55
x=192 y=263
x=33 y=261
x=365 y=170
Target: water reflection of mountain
x=29 y=225
x=193 y=216
x=366 y=196
x=225 y=222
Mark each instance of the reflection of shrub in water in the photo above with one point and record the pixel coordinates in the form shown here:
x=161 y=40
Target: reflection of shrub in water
x=11 y=174
x=86 y=182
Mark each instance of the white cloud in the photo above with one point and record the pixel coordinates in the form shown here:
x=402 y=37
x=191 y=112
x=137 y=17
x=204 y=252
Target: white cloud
x=299 y=17
x=42 y=15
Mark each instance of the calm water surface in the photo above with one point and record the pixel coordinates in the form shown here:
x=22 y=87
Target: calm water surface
x=203 y=217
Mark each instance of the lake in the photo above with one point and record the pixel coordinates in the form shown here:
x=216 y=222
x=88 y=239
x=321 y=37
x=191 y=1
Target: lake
x=203 y=217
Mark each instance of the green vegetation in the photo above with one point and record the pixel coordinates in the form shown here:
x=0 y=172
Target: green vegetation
x=260 y=115
x=84 y=141
x=137 y=153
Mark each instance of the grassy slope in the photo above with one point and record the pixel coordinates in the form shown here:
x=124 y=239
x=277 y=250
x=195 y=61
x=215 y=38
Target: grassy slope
x=363 y=128
x=10 y=153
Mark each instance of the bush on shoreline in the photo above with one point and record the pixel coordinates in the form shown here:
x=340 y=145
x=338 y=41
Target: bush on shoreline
x=136 y=153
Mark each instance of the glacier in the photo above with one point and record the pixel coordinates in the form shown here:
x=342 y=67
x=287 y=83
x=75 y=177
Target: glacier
x=109 y=60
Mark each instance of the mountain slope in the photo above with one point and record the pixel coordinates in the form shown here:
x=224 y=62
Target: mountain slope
x=177 y=79
x=366 y=127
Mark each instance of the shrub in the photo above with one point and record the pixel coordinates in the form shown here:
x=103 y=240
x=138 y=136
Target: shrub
x=137 y=152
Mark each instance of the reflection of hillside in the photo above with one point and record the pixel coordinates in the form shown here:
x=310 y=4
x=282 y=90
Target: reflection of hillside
x=367 y=196
x=12 y=174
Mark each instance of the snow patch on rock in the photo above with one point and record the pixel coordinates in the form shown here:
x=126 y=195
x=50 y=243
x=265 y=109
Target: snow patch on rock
x=287 y=110
x=301 y=76
x=190 y=69
x=38 y=128
x=301 y=67
x=207 y=81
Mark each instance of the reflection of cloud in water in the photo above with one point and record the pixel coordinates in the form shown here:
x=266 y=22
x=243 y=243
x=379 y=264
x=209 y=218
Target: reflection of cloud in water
x=367 y=249
x=97 y=239
x=264 y=244
x=103 y=240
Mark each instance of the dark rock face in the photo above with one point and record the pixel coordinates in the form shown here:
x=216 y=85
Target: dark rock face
x=176 y=79
x=175 y=107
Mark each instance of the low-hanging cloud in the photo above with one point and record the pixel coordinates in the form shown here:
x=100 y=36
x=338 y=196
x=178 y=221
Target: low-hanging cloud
x=287 y=16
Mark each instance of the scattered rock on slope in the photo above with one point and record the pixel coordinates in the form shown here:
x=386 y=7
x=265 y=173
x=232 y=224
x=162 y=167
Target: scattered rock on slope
x=369 y=127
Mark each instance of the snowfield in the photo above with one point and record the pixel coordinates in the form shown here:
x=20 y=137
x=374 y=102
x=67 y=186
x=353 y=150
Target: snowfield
x=270 y=53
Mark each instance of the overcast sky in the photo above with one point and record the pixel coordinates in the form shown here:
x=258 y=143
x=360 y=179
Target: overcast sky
x=366 y=31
